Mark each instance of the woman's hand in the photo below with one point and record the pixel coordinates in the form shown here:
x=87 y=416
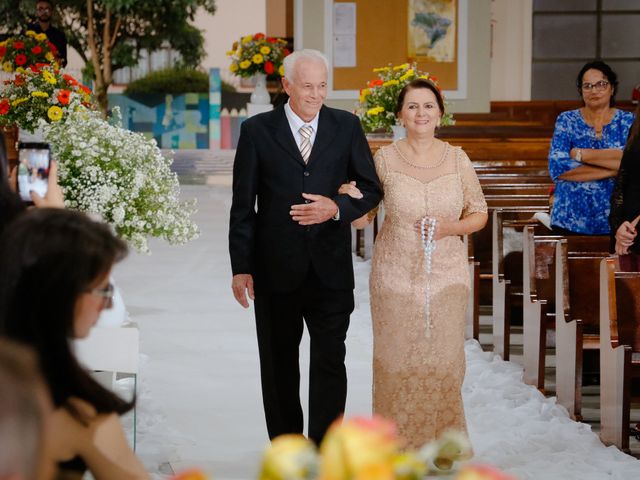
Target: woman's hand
x=443 y=228
x=351 y=190
x=54 y=197
x=625 y=235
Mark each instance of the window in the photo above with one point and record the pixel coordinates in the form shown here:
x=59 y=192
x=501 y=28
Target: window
x=569 y=33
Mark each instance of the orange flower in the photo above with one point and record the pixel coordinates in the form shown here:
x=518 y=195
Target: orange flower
x=63 y=97
x=18 y=45
x=375 y=83
x=268 y=67
x=4 y=106
x=84 y=89
x=70 y=80
x=36 y=50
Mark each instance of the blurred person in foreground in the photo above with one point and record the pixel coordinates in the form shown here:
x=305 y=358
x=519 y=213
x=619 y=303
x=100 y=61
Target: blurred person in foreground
x=55 y=266
x=625 y=203
x=25 y=416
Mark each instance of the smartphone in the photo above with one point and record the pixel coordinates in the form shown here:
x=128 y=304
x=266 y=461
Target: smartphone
x=34 y=161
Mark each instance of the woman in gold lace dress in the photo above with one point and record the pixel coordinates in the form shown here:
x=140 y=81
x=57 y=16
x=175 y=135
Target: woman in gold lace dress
x=419 y=315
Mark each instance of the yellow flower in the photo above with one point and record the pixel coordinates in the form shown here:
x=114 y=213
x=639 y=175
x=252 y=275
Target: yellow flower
x=375 y=111
x=257 y=58
x=20 y=70
x=281 y=70
x=3 y=44
x=230 y=53
x=408 y=74
x=381 y=69
x=388 y=83
x=54 y=113
x=265 y=50
x=289 y=456
x=49 y=56
x=48 y=77
x=233 y=67
x=40 y=94
x=30 y=33
x=41 y=37
x=247 y=39
x=245 y=64
x=363 y=94
x=7 y=67
x=18 y=101
x=401 y=67
x=425 y=76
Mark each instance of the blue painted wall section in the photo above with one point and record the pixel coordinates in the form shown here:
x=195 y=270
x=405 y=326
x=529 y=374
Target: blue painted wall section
x=174 y=121
x=215 y=101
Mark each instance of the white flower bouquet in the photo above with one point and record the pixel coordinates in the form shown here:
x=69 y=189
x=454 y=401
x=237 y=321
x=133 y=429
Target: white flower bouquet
x=120 y=175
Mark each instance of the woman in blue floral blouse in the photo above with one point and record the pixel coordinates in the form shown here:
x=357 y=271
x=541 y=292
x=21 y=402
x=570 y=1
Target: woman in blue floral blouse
x=585 y=154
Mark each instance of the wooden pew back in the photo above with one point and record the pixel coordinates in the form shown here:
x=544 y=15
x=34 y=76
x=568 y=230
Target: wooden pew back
x=625 y=318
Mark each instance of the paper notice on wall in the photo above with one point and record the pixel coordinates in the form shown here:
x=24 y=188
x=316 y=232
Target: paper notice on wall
x=344 y=34
x=344 y=18
x=344 y=50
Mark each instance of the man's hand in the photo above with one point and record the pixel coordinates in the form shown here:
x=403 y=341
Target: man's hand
x=318 y=210
x=241 y=284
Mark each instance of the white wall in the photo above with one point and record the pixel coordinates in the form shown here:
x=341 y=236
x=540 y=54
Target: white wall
x=233 y=19
x=511 y=22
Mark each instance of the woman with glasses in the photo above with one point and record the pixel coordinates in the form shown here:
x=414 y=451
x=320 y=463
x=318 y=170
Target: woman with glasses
x=55 y=267
x=585 y=154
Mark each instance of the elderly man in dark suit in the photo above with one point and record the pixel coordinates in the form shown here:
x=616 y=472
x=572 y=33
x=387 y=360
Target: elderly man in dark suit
x=291 y=251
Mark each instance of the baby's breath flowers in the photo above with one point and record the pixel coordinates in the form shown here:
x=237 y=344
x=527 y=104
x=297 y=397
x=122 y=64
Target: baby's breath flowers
x=120 y=175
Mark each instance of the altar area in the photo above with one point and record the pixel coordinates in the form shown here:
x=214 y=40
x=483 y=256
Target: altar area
x=199 y=401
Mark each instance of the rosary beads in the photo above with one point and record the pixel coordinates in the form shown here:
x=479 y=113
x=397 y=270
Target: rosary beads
x=427 y=230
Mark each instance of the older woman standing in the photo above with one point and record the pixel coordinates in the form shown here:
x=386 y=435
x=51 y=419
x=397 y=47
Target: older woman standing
x=419 y=279
x=585 y=153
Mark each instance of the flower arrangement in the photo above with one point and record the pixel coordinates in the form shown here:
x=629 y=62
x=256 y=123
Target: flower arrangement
x=258 y=54
x=377 y=101
x=120 y=175
x=24 y=50
x=40 y=92
x=361 y=448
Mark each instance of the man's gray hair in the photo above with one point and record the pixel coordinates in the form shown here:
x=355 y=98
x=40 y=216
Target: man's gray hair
x=306 y=54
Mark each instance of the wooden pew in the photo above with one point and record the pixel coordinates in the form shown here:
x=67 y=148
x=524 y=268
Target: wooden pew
x=577 y=322
x=513 y=178
x=505 y=265
x=472 y=329
x=619 y=343
x=538 y=300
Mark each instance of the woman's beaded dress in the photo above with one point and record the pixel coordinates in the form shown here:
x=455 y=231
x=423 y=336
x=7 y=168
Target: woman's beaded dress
x=418 y=368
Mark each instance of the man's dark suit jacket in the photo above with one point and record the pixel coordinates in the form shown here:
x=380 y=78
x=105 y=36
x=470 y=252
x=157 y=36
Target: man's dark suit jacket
x=265 y=241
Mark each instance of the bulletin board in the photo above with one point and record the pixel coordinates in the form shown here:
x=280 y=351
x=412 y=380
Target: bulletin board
x=382 y=37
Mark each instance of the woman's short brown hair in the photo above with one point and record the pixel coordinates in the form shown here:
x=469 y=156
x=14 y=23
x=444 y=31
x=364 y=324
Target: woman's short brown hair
x=420 y=83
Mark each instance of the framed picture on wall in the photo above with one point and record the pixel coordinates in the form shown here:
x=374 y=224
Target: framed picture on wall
x=431 y=30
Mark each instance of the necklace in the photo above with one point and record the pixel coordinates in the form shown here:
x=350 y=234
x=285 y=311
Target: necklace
x=423 y=167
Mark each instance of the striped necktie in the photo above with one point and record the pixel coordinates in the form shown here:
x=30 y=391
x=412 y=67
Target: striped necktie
x=305 y=144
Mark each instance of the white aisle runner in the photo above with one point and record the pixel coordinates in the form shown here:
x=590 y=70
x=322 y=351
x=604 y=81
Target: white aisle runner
x=200 y=403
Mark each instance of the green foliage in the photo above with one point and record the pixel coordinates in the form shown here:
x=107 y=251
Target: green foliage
x=142 y=24
x=173 y=81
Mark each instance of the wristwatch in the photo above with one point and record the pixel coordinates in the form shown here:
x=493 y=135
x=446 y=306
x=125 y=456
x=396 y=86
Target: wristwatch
x=578 y=155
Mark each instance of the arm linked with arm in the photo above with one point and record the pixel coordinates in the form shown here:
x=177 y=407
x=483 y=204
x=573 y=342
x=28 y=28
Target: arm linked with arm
x=362 y=170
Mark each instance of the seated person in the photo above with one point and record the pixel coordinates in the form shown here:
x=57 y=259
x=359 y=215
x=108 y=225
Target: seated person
x=25 y=410
x=63 y=259
x=585 y=154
